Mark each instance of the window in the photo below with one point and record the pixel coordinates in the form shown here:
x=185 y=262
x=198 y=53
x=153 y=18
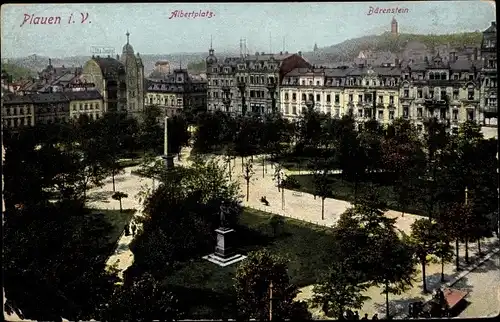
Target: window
x=337 y=112
x=360 y=113
x=304 y=97
x=380 y=99
x=455 y=94
x=380 y=114
x=262 y=79
x=286 y=96
x=470 y=115
x=405 y=112
x=470 y=94
x=287 y=109
x=350 y=97
x=431 y=93
x=294 y=110
x=419 y=113
x=303 y=82
x=455 y=115
x=406 y=93
x=294 y=96
x=311 y=97
x=391 y=99
x=431 y=76
x=179 y=101
x=328 y=98
x=310 y=82
x=318 y=97
x=471 y=77
x=251 y=79
x=317 y=83
x=443 y=94
x=391 y=115
x=252 y=94
x=360 y=98
x=81 y=107
x=337 y=99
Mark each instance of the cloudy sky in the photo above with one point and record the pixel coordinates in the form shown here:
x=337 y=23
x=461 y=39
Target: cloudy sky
x=264 y=25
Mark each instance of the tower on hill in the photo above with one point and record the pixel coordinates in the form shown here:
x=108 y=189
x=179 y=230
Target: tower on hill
x=394 y=26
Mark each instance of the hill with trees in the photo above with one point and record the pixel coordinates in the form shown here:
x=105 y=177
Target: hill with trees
x=349 y=49
x=17 y=72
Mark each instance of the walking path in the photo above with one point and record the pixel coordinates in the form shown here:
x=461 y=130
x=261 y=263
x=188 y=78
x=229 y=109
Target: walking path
x=398 y=304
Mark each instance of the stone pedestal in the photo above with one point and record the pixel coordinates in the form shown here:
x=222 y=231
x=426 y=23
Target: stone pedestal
x=224 y=254
x=169 y=161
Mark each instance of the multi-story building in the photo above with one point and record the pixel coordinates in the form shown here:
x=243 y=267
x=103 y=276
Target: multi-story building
x=85 y=102
x=120 y=81
x=488 y=95
x=176 y=92
x=447 y=90
x=47 y=108
x=50 y=108
x=17 y=111
x=249 y=82
x=363 y=92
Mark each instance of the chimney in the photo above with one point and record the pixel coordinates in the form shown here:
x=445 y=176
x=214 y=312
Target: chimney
x=453 y=57
x=281 y=53
x=300 y=53
x=286 y=52
x=256 y=53
x=262 y=53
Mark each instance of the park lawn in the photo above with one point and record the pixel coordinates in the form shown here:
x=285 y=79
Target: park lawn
x=344 y=190
x=206 y=286
x=106 y=227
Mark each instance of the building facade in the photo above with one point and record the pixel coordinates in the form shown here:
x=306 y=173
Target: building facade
x=176 y=92
x=50 y=108
x=17 y=111
x=85 y=102
x=120 y=81
x=249 y=83
x=363 y=92
x=489 y=89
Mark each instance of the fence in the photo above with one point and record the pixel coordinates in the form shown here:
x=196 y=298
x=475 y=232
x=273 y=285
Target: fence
x=285 y=215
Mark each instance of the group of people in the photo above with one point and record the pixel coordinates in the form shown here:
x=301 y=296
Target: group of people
x=350 y=315
x=131 y=228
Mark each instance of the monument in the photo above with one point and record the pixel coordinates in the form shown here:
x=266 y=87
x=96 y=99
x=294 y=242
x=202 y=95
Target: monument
x=224 y=254
x=169 y=159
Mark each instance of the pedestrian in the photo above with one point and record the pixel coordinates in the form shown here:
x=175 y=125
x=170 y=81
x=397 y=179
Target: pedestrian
x=356 y=315
x=365 y=317
x=375 y=316
x=134 y=227
x=127 y=231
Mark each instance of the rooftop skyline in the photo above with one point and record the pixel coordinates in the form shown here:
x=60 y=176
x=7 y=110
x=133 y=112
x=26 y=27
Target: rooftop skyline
x=155 y=29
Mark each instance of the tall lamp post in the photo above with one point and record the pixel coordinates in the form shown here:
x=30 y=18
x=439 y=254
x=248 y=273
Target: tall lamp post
x=242 y=88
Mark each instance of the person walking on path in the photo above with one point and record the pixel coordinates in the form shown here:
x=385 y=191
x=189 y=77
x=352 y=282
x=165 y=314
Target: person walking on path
x=375 y=317
x=127 y=231
x=134 y=227
x=365 y=317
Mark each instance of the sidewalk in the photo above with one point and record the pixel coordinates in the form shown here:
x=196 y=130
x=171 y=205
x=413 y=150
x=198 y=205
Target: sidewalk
x=398 y=304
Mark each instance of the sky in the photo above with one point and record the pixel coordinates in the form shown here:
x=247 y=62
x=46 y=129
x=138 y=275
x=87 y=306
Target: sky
x=154 y=30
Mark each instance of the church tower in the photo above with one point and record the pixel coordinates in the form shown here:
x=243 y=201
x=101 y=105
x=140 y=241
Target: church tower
x=394 y=26
x=134 y=70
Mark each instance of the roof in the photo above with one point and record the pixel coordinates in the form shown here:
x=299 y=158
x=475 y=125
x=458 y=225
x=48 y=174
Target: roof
x=16 y=99
x=305 y=71
x=278 y=57
x=49 y=97
x=463 y=64
x=492 y=28
x=83 y=95
x=337 y=72
x=109 y=65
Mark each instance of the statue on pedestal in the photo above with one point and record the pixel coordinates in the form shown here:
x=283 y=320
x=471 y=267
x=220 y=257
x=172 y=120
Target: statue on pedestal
x=223 y=211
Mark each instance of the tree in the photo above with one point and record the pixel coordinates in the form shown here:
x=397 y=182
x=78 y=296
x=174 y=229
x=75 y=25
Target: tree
x=336 y=293
x=451 y=221
x=248 y=175
x=178 y=134
x=151 y=134
x=253 y=281
x=322 y=182
x=444 y=251
x=119 y=196
x=425 y=239
x=276 y=222
x=143 y=299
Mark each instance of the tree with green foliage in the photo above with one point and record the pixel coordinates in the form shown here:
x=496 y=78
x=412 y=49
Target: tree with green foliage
x=255 y=277
x=151 y=134
x=276 y=222
x=335 y=293
x=142 y=299
x=425 y=237
x=178 y=134
x=119 y=196
x=322 y=182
